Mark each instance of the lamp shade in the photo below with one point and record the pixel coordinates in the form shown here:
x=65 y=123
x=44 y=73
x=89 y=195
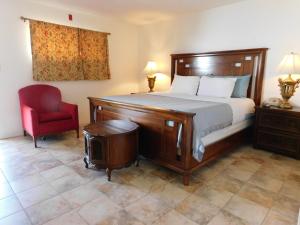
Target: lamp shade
x=290 y=64
x=151 y=67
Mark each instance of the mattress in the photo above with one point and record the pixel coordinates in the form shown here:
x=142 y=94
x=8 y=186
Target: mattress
x=226 y=132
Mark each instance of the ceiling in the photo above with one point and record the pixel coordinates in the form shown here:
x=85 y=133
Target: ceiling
x=138 y=11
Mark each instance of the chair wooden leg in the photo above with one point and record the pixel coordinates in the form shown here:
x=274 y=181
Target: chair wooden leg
x=35 y=141
x=24 y=132
x=77 y=132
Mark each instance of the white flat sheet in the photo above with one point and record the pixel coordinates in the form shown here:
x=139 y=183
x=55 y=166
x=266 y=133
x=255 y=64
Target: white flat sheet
x=227 y=131
x=242 y=108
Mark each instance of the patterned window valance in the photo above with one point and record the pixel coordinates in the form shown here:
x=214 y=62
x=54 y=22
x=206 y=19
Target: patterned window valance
x=67 y=53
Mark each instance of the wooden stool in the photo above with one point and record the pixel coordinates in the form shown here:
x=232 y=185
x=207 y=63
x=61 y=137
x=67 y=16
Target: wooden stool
x=111 y=144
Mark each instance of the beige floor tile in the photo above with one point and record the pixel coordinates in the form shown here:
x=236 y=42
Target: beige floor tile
x=81 y=195
x=8 y=206
x=147 y=183
x=19 y=218
x=47 y=210
x=148 y=209
x=206 y=174
x=258 y=156
x=167 y=192
x=121 y=217
x=257 y=195
x=226 y=218
x=67 y=183
x=266 y=182
x=122 y=194
x=57 y=172
x=247 y=165
x=98 y=210
x=45 y=161
x=216 y=197
x=19 y=171
x=237 y=173
x=27 y=182
x=129 y=173
x=79 y=168
x=290 y=191
x=36 y=195
x=247 y=210
x=274 y=171
x=197 y=209
x=192 y=187
x=164 y=173
x=174 y=218
x=286 y=206
x=274 y=218
x=71 y=218
x=66 y=156
x=5 y=190
x=226 y=183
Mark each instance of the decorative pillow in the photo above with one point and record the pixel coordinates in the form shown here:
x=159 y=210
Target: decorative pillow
x=185 y=84
x=241 y=86
x=216 y=86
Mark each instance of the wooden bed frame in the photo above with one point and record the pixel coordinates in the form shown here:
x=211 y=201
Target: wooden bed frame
x=159 y=127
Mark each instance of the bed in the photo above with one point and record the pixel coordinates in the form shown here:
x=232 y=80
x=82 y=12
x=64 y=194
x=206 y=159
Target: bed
x=163 y=127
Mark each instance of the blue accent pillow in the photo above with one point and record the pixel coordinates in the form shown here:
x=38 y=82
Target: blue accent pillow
x=241 y=86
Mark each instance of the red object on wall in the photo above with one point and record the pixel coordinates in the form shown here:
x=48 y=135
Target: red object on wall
x=70 y=17
x=43 y=111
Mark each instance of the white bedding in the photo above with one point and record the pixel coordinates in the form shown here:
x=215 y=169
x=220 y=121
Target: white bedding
x=226 y=132
x=242 y=108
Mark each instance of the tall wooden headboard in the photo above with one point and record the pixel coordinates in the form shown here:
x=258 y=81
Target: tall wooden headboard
x=224 y=63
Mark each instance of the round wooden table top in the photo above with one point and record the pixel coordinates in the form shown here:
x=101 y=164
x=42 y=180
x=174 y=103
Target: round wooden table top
x=110 y=127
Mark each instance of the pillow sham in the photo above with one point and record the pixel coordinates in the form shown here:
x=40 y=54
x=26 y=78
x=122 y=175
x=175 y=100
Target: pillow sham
x=216 y=86
x=241 y=86
x=185 y=84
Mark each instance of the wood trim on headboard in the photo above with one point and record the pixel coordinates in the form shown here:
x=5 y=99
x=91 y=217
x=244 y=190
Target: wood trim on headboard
x=224 y=63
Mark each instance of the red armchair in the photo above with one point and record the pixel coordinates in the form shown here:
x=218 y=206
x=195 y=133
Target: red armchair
x=44 y=113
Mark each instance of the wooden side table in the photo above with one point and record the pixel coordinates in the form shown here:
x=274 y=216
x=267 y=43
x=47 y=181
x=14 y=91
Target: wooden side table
x=278 y=130
x=111 y=144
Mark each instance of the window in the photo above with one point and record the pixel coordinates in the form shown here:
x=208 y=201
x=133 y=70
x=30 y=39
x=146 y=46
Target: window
x=67 y=53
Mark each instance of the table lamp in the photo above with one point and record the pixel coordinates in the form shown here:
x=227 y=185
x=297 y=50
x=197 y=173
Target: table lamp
x=150 y=70
x=289 y=65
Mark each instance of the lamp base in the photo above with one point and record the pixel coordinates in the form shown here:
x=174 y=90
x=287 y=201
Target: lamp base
x=285 y=105
x=151 y=82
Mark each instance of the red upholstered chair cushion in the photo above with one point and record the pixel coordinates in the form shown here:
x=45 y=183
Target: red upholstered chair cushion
x=54 y=116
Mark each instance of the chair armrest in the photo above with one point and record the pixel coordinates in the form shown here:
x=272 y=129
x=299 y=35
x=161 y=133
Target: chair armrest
x=30 y=119
x=70 y=108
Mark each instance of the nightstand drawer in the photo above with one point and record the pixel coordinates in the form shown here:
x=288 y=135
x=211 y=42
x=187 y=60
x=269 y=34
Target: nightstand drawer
x=279 y=122
x=286 y=144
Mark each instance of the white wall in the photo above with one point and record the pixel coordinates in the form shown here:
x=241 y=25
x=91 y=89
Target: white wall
x=15 y=59
x=248 y=24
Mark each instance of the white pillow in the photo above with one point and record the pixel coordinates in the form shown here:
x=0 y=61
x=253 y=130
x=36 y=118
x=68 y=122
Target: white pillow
x=185 y=84
x=216 y=86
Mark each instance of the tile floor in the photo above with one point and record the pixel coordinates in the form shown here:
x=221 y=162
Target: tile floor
x=50 y=185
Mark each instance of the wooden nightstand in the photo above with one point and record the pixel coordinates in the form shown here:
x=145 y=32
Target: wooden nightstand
x=278 y=130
